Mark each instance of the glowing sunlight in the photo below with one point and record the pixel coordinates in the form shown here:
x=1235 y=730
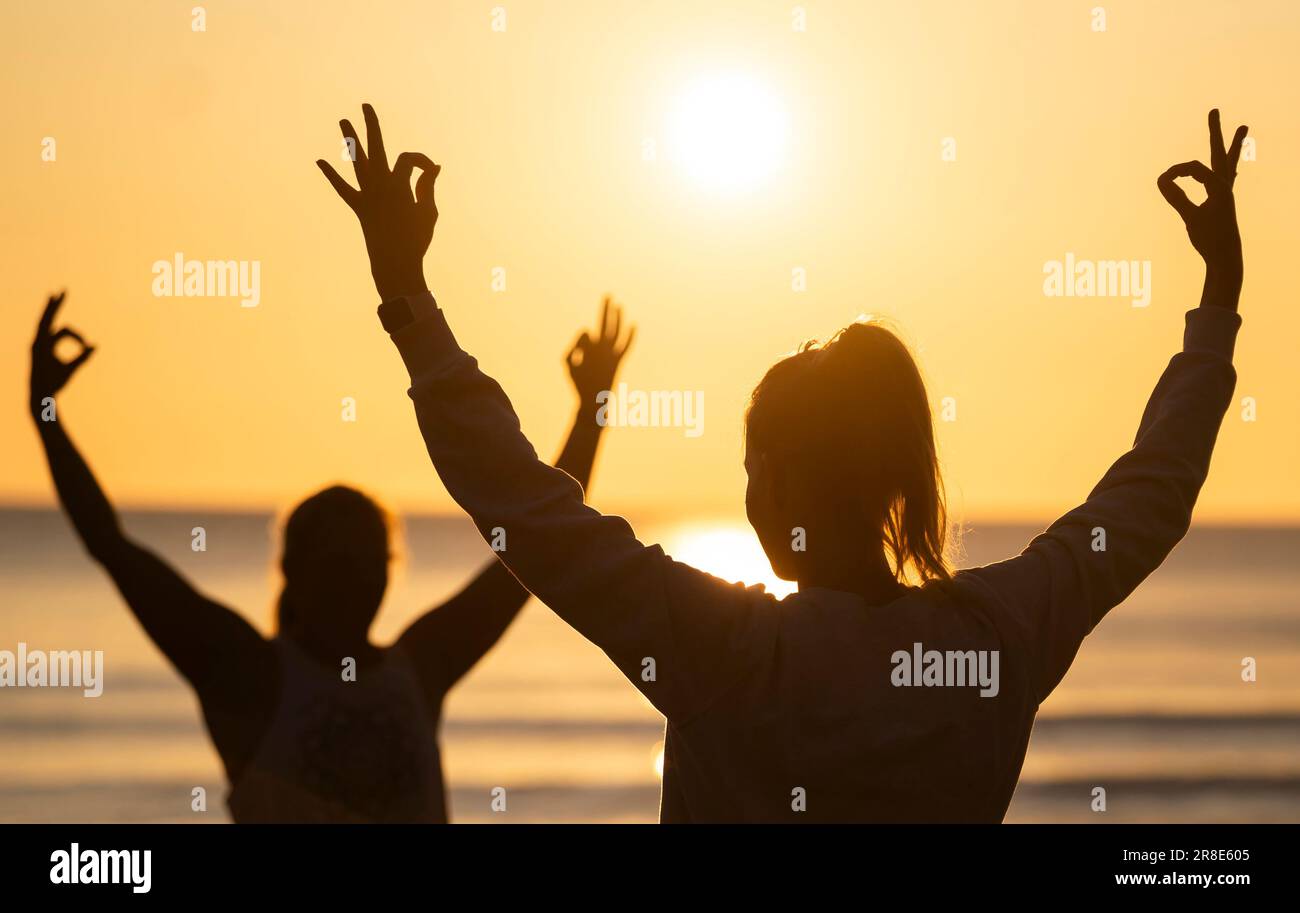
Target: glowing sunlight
x=731 y=552
x=728 y=132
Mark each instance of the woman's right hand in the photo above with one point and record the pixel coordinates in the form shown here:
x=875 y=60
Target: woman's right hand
x=397 y=226
x=1211 y=226
x=49 y=373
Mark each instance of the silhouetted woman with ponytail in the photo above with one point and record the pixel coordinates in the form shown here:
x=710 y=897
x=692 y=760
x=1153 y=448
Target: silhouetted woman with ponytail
x=888 y=688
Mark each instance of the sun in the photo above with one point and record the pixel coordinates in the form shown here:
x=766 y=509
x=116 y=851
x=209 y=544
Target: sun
x=727 y=131
x=728 y=551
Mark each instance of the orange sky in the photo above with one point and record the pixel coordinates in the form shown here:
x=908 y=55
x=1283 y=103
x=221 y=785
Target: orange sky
x=203 y=142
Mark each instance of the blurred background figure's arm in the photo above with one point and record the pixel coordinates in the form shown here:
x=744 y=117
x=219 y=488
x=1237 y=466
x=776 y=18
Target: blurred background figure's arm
x=200 y=637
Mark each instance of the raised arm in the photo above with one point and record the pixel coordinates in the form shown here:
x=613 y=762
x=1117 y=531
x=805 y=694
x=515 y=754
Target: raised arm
x=449 y=639
x=1091 y=559
x=203 y=639
x=679 y=635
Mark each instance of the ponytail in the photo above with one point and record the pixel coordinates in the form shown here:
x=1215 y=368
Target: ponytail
x=852 y=415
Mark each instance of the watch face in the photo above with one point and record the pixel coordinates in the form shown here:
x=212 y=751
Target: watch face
x=395 y=314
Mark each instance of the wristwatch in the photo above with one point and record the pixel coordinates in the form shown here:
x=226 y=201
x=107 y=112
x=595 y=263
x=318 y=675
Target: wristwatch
x=398 y=313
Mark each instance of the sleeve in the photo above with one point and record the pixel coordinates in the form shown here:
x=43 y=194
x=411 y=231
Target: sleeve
x=680 y=635
x=1091 y=559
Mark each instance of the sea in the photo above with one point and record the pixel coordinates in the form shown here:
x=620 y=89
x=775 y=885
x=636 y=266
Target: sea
x=1156 y=711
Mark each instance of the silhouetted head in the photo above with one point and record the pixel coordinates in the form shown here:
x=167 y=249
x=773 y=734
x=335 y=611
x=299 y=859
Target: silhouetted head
x=335 y=564
x=839 y=443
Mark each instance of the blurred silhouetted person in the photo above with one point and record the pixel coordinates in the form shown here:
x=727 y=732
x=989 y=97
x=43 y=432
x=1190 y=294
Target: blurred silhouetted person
x=298 y=741
x=805 y=709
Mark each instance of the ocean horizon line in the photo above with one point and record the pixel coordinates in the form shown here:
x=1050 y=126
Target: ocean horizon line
x=1287 y=722
x=703 y=515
